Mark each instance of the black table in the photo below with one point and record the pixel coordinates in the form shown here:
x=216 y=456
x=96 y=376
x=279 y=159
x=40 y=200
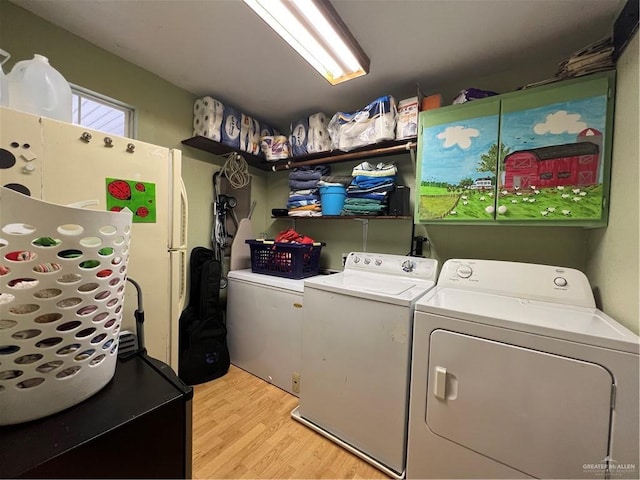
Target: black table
x=137 y=426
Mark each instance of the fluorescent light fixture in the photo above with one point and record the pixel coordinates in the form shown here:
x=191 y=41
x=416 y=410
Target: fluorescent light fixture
x=314 y=29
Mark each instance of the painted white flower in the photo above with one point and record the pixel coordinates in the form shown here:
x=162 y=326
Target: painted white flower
x=453 y=212
x=514 y=201
x=518 y=193
x=465 y=203
x=490 y=194
x=576 y=199
x=560 y=187
x=505 y=192
x=565 y=195
x=533 y=187
x=516 y=188
x=536 y=192
x=482 y=198
x=566 y=212
x=464 y=197
x=582 y=194
x=531 y=200
x=525 y=199
x=576 y=190
x=551 y=209
x=544 y=213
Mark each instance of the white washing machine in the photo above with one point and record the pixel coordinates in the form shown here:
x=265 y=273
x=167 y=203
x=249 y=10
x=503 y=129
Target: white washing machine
x=516 y=374
x=356 y=353
x=264 y=326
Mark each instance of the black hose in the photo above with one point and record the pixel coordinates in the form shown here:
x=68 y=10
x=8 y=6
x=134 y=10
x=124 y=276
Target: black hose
x=139 y=315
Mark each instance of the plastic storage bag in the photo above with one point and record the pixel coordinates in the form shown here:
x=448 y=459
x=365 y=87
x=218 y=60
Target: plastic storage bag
x=374 y=123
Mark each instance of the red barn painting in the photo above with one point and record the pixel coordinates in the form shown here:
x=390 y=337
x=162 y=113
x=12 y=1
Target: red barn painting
x=568 y=164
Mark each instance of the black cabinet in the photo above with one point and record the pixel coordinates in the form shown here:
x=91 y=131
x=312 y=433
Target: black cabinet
x=137 y=426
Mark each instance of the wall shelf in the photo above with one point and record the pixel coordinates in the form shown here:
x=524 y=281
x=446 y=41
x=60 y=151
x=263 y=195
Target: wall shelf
x=377 y=150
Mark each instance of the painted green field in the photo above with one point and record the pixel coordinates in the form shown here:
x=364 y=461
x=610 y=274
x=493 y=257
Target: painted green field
x=468 y=205
x=559 y=203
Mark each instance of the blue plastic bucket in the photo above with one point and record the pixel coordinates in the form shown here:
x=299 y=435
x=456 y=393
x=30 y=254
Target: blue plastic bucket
x=332 y=199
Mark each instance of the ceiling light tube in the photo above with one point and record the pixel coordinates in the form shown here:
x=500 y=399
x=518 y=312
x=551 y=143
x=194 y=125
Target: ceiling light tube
x=314 y=29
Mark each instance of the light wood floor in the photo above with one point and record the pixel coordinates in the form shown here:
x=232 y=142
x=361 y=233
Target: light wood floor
x=242 y=429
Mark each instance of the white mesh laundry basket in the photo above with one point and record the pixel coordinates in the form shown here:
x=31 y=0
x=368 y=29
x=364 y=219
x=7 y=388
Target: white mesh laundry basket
x=62 y=281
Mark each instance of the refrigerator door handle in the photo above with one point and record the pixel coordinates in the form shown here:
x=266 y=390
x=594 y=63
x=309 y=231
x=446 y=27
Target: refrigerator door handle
x=178 y=300
x=179 y=203
x=183 y=215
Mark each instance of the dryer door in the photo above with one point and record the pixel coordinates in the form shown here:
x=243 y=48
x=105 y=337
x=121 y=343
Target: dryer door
x=543 y=414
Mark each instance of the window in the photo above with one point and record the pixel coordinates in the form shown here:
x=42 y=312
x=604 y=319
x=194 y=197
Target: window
x=98 y=112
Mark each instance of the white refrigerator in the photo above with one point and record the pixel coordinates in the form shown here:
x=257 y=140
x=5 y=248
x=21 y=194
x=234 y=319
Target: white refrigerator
x=69 y=164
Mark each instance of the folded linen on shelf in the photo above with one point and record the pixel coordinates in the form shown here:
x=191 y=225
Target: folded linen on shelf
x=370 y=182
x=302 y=184
x=305 y=175
x=305 y=213
x=336 y=179
x=363 y=209
x=379 y=170
x=379 y=196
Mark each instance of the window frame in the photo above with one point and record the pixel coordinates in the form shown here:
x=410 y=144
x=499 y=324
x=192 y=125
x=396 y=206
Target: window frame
x=131 y=114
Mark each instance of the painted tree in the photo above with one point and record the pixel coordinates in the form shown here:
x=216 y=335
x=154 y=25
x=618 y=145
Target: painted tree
x=465 y=183
x=488 y=161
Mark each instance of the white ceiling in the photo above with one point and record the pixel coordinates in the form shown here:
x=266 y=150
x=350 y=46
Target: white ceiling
x=221 y=48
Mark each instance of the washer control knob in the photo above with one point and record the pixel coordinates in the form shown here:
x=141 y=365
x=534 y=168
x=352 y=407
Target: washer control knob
x=356 y=259
x=378 y=261
x=560 y=281
x=367 y=260
x=408 y=266
x=464 y=271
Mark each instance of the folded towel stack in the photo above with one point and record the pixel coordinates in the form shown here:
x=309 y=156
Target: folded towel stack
x=368 y=192
x=304 y=196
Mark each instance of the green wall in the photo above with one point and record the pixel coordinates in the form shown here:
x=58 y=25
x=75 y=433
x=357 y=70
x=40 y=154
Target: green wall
x=613 y=253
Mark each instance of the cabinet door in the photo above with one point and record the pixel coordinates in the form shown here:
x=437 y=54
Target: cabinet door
x=556 y=150
x=457 y=163
x=542 y=414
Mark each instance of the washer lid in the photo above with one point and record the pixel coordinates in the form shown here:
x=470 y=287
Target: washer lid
x=267 y=280
x=374 y=286
x=579 y=324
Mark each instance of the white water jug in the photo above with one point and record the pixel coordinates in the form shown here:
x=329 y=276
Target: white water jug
x=36 y=87
x=4 y=82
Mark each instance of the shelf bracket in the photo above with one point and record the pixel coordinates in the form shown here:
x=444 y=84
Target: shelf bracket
x=412 y=152
x=365 y=231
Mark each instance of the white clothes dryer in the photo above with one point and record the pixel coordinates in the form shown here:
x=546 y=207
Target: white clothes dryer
x=516 y=374
x=356 y=353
